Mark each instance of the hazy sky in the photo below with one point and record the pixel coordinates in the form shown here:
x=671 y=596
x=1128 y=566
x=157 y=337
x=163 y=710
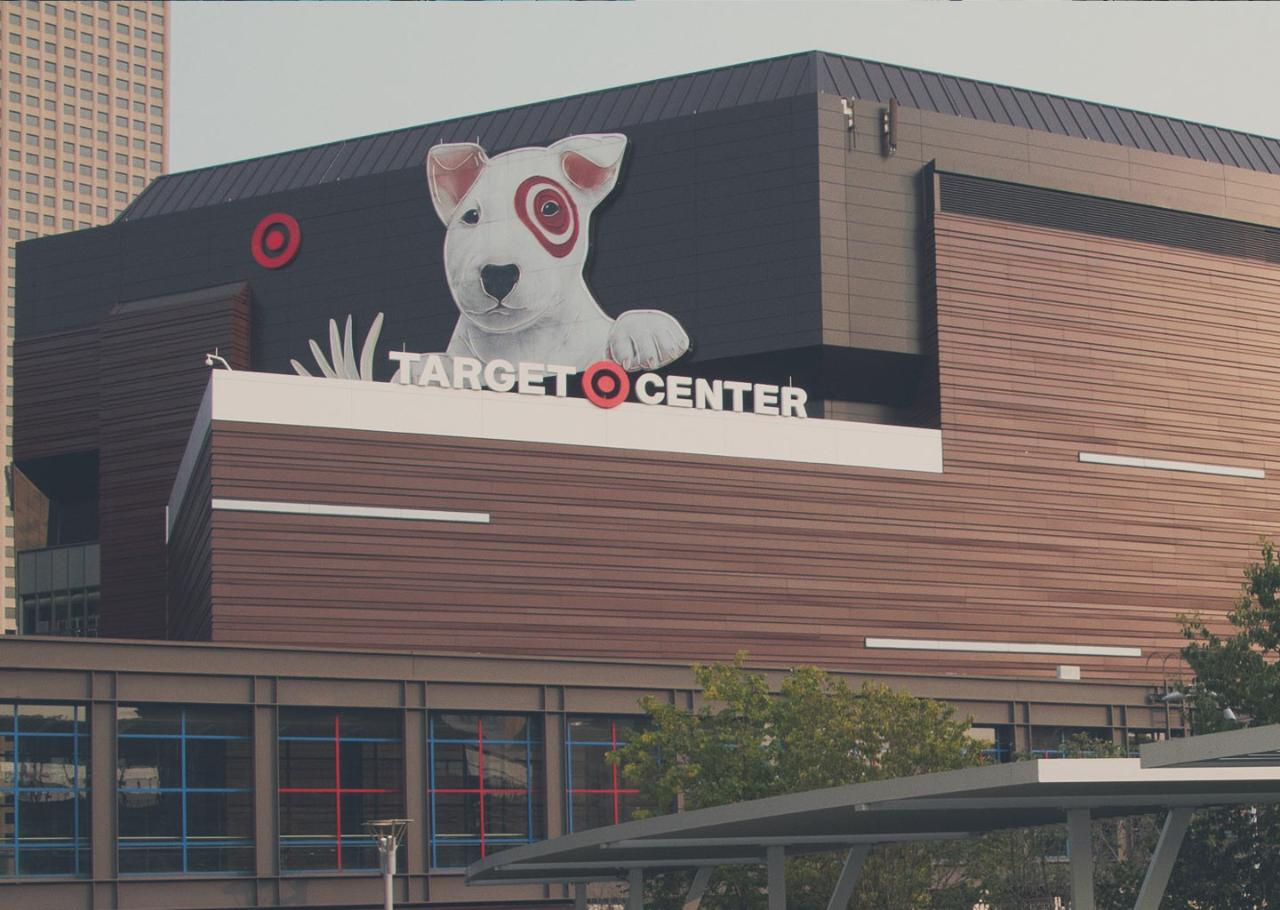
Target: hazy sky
x=255 y=78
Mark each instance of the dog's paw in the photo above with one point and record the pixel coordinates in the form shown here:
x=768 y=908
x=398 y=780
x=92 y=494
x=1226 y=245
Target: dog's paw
x=646 y=340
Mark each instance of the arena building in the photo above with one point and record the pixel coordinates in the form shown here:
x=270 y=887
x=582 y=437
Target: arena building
x=396 y=470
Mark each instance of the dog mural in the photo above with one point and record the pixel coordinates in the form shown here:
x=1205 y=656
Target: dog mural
x=517 y=237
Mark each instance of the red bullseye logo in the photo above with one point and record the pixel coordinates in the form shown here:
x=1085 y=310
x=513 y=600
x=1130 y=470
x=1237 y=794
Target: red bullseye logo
x=549 y=213
x=606 y=384
x=275 y=241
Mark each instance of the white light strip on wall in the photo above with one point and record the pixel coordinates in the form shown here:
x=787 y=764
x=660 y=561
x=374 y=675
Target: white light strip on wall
x=1000 y=647
x=1160 y=464
x=310 y=508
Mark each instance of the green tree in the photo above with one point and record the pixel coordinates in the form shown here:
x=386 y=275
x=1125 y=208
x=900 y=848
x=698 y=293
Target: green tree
x=1240 y=671
x=746 y=743
x=1237 y=850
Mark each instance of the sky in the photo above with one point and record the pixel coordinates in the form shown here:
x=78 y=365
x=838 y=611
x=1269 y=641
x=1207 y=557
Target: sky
x=251 y=78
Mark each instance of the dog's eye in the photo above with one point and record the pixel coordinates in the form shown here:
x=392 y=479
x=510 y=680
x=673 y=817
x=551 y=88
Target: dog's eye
x=550 y=209
x=471 y=216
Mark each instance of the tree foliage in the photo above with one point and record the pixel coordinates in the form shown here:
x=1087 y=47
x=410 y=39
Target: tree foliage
x=745 y=743
x=1237 y=850
x=1240 y=671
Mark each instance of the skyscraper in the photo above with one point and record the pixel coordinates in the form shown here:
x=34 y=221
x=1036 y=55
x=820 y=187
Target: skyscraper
x=85 y=110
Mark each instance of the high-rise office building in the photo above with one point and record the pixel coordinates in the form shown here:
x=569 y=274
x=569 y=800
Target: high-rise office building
x=85 y=109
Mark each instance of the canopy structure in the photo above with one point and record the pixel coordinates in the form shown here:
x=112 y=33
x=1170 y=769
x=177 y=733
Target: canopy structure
x=1236 y=768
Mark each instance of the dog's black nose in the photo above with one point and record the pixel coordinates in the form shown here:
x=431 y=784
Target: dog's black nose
x=498 y=280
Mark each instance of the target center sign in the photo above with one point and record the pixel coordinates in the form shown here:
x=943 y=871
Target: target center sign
x=605 y=384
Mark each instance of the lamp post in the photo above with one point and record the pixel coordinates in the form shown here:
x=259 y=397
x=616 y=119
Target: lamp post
x=387 y=834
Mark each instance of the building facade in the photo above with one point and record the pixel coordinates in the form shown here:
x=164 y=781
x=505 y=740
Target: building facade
x=85 y=112
x=412 y=461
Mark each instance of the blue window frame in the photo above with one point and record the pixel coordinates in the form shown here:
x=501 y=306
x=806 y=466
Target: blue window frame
x=44 y=790
x=184 y=789
x=596 y=794
x=485 y=793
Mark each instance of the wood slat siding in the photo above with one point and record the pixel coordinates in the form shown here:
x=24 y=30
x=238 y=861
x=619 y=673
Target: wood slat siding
x=55 y=401
x=189 y=568
x=1049 y=343
x=1052 y=343
x=152 y=379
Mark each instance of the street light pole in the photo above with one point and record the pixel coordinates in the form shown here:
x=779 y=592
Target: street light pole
x=387 y=834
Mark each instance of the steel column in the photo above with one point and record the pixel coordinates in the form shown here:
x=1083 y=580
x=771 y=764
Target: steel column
x=1166 y=852
x=1080 y=842
x=635 y=889
x=776 y=862
x=701 y=879
x=848 y=880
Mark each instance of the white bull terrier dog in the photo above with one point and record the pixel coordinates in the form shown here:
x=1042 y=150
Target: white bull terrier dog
x=516 y=244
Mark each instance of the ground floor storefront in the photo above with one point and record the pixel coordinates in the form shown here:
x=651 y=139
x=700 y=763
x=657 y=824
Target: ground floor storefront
x=140 y=774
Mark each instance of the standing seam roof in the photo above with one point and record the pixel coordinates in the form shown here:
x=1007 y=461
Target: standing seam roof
x=708 y=90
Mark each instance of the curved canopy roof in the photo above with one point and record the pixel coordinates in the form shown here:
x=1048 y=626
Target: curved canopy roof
x=926 y=807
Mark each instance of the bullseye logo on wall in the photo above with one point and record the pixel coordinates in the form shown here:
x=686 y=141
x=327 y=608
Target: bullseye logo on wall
x=275 y=240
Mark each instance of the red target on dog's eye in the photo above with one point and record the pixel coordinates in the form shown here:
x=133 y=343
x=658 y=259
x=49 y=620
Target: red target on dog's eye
x=606 y=384
x=548 y=211
x=275 y=241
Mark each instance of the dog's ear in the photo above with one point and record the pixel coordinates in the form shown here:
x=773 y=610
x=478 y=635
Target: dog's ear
x=451 y=171
x=591 y=161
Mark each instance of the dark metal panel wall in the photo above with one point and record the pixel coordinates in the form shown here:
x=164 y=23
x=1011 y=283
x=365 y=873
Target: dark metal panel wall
x=713 y=221
x=54 y=389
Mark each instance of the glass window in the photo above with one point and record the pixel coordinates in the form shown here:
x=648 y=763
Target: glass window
x=44 y=790
x=338 y=770
x=485 y=794
x=595 y=791
x=184 y=789
x=57 y=596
